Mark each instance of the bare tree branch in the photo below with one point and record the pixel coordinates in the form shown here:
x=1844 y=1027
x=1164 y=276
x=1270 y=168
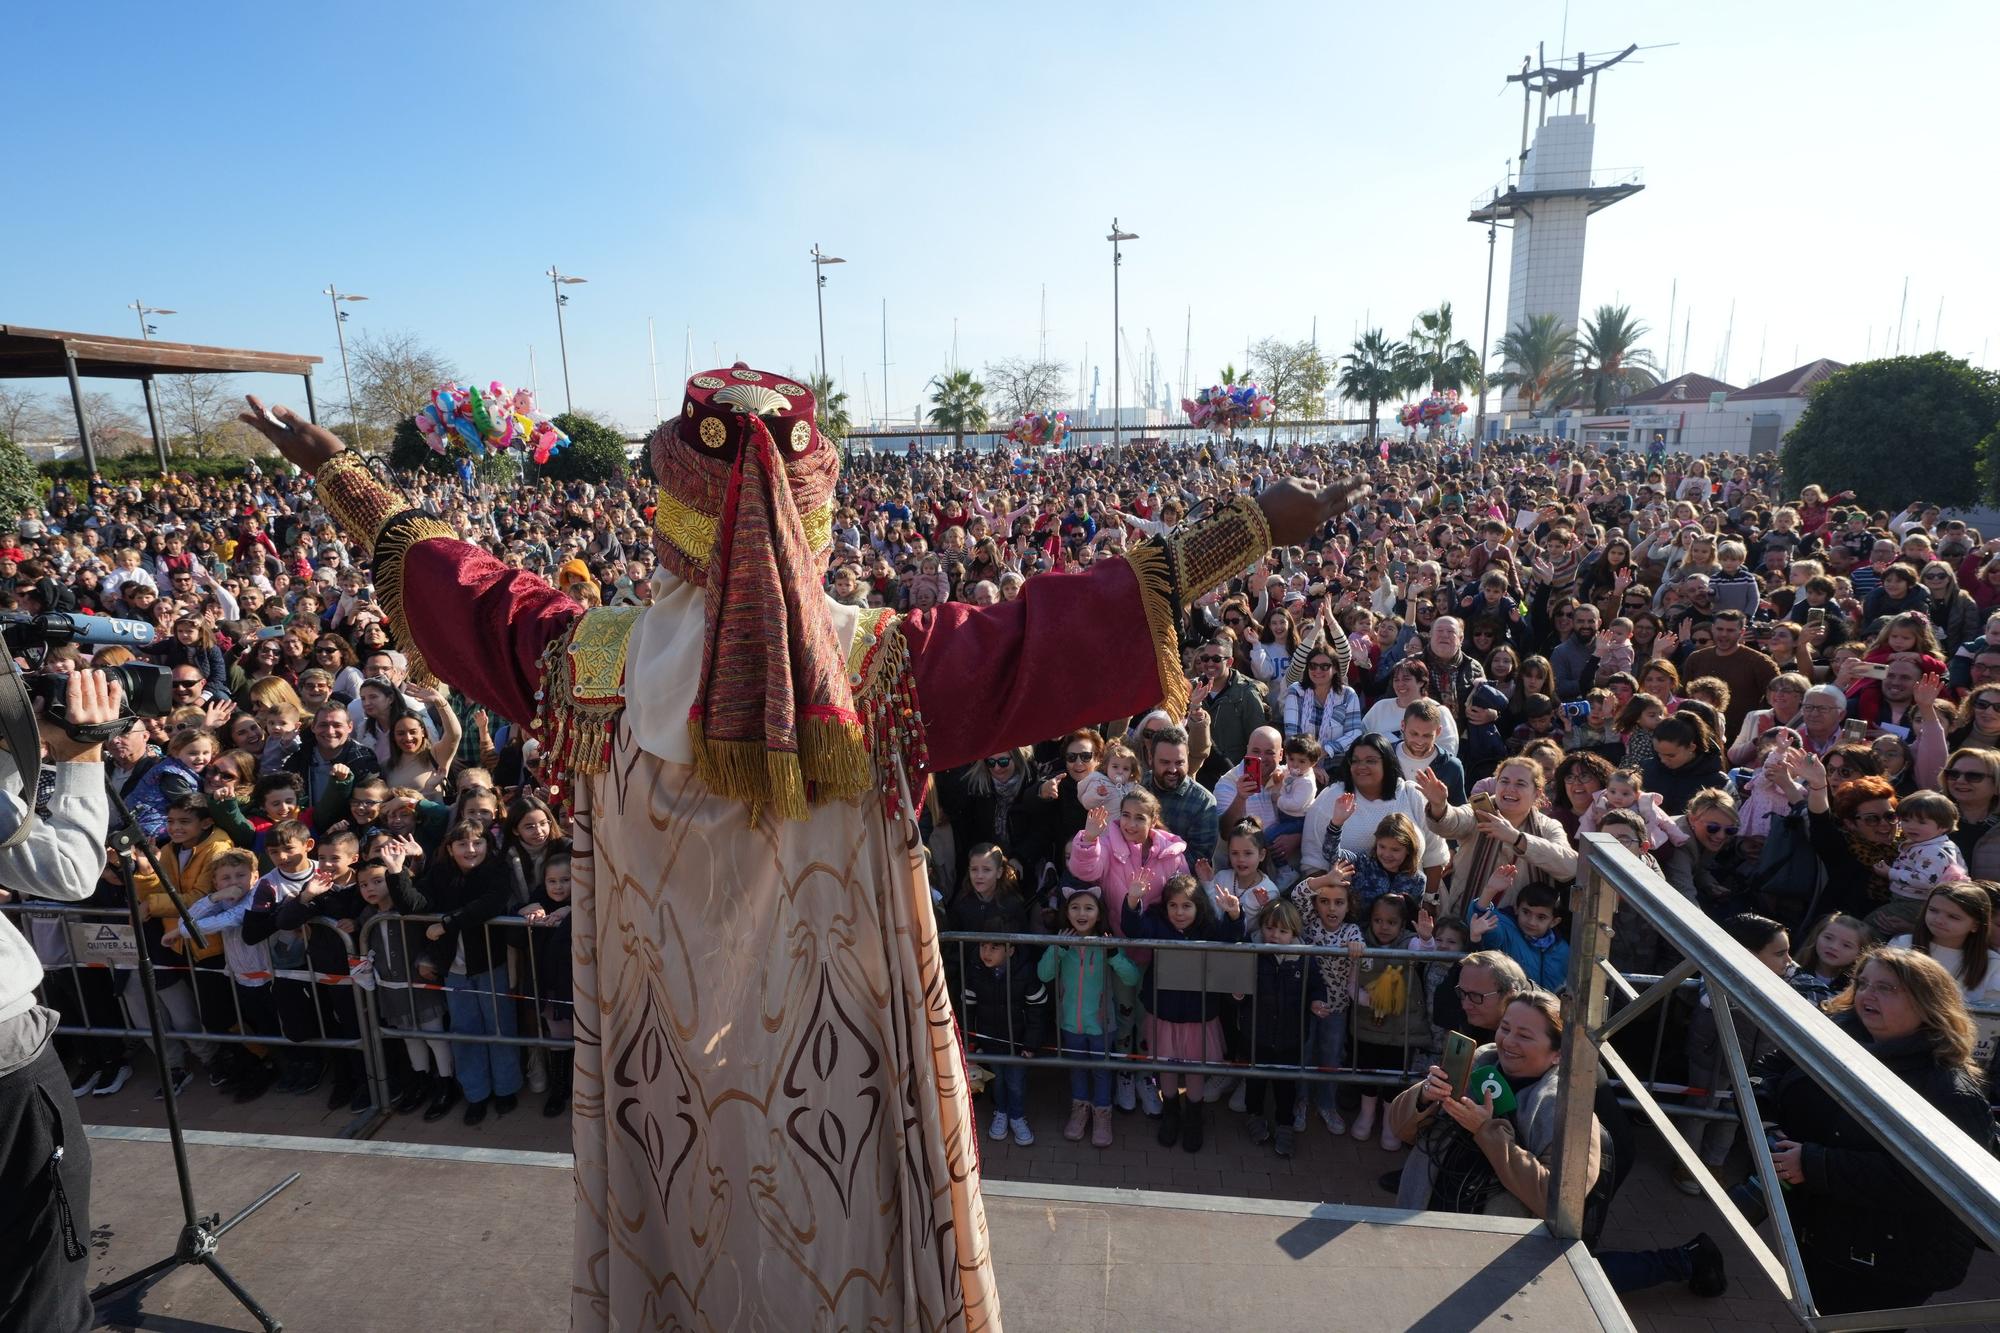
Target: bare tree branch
x=25 y=415
x=394 y=374
x=193 y=410
x=1019 y=385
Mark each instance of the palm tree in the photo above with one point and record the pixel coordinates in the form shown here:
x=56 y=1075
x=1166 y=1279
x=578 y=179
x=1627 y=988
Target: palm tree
x=1540 y=358
x=834 y=421
x=1610 y=365
x=1374 y=370
x=958 y=404
x=1442 y=361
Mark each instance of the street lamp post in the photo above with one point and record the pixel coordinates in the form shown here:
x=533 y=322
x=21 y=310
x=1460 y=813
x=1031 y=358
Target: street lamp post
x=146 y=330
x=1116 y=238
x=558 y=281
x=820 y=261
x=336 y=296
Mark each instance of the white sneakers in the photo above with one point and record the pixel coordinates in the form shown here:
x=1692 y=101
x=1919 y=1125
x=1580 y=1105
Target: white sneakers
x=1149 y=1097
x=1022 y=1134
x=1126 y=1099
x=1239 y=1100
x=998 y=1129
x=1330 y=1117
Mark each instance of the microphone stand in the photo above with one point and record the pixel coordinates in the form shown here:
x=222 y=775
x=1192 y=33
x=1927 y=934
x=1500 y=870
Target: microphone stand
x=199 y=1234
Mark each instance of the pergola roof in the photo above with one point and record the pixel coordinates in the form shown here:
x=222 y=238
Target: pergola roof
x=40 y=354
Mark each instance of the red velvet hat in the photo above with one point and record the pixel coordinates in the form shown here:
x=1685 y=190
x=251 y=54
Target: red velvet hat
x=714 y=415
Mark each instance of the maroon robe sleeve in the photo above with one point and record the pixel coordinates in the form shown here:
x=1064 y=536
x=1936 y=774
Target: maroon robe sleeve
x=1072 y=650
x=481 y=626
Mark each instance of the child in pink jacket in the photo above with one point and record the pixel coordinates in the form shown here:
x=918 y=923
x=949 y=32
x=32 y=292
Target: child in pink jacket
x=1112 y=854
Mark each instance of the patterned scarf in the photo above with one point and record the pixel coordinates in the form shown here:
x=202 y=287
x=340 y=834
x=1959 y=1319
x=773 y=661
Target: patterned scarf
x=773 y=722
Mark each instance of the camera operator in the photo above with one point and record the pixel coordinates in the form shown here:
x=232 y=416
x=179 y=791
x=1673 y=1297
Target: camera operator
x=44 y=1158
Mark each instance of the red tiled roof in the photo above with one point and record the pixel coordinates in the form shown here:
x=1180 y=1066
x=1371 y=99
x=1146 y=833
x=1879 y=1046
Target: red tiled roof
x=1688 y=388
x=1793 y=383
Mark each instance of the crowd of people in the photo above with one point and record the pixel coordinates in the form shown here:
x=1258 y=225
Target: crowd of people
x=1787 y=704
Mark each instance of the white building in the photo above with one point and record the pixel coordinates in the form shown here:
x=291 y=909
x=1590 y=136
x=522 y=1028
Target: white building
x=1694 y=414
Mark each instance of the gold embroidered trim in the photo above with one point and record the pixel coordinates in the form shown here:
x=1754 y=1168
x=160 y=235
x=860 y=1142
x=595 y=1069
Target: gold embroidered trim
x=1152 y=572
x=693 y=532
x=582 y=692
x=358 y=500
x=597 y=653
x=885 y=695
x=398 y=535
x=1210 y=549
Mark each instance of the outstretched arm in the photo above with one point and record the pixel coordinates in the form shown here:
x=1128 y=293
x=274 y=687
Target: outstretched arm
x=457 y=611
x=1072 y=649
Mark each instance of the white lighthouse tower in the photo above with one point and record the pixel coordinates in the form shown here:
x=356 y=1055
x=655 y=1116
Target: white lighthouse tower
x=1550 y=201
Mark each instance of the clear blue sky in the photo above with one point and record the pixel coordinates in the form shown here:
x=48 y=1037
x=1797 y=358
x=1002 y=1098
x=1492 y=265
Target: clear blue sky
x=1281 y=162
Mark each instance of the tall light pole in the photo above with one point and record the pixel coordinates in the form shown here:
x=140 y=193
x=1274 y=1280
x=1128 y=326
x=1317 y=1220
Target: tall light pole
x=1486 y=321
x=820 y=261
x=558 y=281
x=336 y=296
x=1116 y=238
x=146 y=331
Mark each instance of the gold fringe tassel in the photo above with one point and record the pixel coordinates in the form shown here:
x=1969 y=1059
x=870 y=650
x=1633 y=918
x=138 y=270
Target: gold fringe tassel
x=398 y=536
x=834 y=761
x=1151 y=570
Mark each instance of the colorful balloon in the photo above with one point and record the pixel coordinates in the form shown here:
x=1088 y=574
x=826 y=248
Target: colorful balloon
x=488 y=423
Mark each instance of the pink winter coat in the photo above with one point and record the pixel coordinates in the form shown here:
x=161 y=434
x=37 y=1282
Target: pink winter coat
x=1110 y=863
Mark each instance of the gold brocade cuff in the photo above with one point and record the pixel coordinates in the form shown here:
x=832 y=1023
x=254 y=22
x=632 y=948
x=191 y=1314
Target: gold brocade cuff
x=398 y=533
x=1206 y=551
x=1152 y=569
x=358 y=500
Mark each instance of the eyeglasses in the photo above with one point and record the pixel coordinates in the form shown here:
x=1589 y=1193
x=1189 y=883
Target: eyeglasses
x=1714 y=829
x=1211 y=658
x=1475 y=996
x=187 y=684
x=1886 y=989
x=1877 y=818
x=1000 y=761
x=1936 y=578
x=1319 y=666
x=1079 y=756
x=1966 y=775
x=1986 y=705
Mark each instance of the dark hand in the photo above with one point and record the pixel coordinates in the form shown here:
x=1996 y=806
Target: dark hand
x=304 y=445
x=1296 y=511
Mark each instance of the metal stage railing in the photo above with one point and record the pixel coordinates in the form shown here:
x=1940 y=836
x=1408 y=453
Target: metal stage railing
x=1959 y=1172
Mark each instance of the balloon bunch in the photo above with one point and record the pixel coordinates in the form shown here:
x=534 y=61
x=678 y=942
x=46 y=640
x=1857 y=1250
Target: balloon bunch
x=489 y=422
x=1040 y=430
x=1432 y=409
x=1226 y=406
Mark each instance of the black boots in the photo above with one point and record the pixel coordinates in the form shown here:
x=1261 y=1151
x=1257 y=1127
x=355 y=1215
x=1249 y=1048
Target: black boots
x=1170 y=1118
x=562 y=1065
x=1191 y=1125
x=443 y=1099
x=416 y=1092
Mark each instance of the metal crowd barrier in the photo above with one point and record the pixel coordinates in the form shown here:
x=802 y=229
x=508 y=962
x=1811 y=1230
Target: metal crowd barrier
x=97 y=955
x=1230 y=969
x=1959 y=1172
x=523 y=988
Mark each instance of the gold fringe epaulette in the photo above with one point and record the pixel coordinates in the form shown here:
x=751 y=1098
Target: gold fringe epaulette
x=885 y=693
x=398 y=535
x=1152 y=568
x=581 y=695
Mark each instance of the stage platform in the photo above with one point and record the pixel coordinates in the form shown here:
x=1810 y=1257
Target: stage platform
x=381 y=1235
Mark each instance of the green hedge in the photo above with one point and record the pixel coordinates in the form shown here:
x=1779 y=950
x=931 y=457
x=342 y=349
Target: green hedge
x=144 y=467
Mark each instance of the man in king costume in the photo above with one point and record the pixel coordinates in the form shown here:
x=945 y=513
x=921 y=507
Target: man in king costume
x=772 y=1124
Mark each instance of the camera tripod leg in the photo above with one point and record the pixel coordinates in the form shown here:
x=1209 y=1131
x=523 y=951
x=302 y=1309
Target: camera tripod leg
x=256 y=1203
x=241 y=1293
